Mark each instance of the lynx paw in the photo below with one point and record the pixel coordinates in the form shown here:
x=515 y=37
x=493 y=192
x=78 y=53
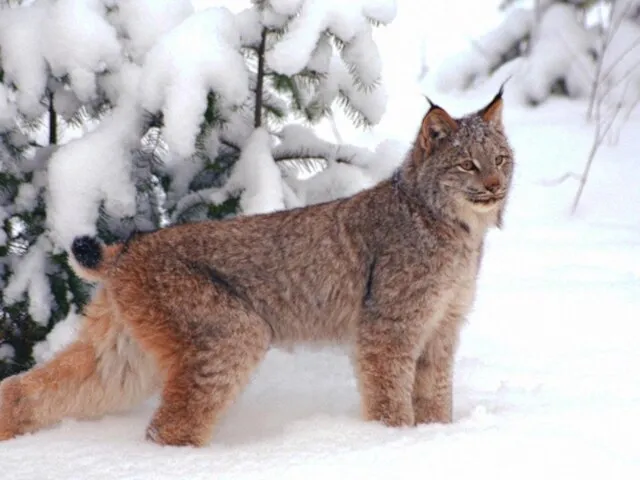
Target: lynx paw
x=391 y=417
x=432 y=412
x=165 y=435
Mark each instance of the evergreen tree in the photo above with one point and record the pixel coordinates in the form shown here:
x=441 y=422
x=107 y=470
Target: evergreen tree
x=119 y=116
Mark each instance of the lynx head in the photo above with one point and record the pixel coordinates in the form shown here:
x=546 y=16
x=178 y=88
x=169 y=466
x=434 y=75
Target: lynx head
x=463 y=167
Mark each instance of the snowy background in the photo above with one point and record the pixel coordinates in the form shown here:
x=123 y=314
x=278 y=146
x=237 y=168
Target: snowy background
x=545 y=383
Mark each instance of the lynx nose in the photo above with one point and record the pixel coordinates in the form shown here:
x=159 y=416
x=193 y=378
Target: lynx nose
x=492 y=183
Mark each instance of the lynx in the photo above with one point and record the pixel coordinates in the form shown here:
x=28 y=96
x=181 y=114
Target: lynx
x=192 y=309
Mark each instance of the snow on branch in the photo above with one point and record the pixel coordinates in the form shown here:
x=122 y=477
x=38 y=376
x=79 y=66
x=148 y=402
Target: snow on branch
x=79 y=43
x=143 y=22
x=197 y=198
x=7 y=110
x=363 y=107
x=348 y=22
x=298 y=141
x=249 y=26
x=486 y=53
x=561 y=51
x=23 y=62
x=71 y=39
x=258 y=176
x=29 y=276
x=363 y=59
x=364 y=170
x=350 y=168
x=92 y=169
x=200 y=55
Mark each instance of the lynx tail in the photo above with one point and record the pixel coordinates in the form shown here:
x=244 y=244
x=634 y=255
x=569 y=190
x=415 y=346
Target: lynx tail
x=91 y=259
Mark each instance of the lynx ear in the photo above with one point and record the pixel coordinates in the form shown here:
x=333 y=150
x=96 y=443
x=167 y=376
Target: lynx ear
x=492 y=113
x=436 y=124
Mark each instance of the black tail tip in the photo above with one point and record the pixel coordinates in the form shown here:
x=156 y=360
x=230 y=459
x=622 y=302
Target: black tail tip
x=87 y=251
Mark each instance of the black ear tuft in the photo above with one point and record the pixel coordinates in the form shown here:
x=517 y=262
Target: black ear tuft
x=87 y=251
x=501 y=91
x=492 y=113
x=432 y=106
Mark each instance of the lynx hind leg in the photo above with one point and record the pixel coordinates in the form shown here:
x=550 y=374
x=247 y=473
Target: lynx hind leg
x=433 y=387
x=89 y=378
x=207 y=376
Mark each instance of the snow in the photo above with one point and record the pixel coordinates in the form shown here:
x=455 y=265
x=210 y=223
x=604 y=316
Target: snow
x=65 y=102
x=338 y=180
x=257 y=174
x=248 y=22
x=350 y=169
x=299 y=141
x=286 y=7
x=89 y=170
x=271 y=19
x=383 y=11
x=58 y=338
x=22 y=59
x=6 y=351
x=7 y=110
x=26 y=198
x=461 y=71
x=144 y=21
x=559 y=52
x=383 y=160
x=29 y=276
x=363 y=59
x=79 y=42
x=347 y=21
x=338 y=84
x=199 y=55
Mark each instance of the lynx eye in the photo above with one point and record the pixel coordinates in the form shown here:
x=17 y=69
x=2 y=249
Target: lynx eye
x=500 y=160
x=467 y=166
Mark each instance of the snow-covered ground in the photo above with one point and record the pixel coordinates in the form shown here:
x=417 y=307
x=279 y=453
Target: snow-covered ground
x=545 y=385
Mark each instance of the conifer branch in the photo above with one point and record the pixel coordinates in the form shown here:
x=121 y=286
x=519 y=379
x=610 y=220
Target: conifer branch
x=53 y=121
x=257 y=118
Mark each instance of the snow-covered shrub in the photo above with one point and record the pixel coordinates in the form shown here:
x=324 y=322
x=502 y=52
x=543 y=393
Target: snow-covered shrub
x=119 y=116
x=571 y=48
x=487 y=53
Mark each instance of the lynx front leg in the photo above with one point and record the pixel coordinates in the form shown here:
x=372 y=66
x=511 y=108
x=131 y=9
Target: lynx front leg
x=433 y=389
x=206 y=379
x=72 y=384
x=386 y=362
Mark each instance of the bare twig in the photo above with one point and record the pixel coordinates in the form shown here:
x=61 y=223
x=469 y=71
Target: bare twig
x=628 y=50
x=601 y=130
x=561 y=179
